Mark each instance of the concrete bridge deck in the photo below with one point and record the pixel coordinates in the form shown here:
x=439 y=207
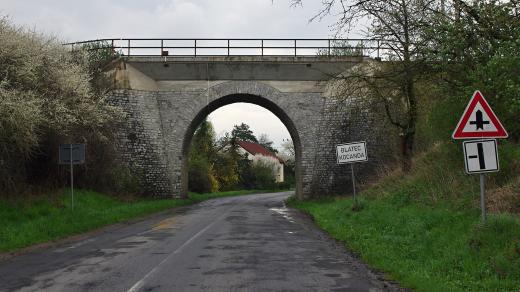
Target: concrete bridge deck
x=283 y=68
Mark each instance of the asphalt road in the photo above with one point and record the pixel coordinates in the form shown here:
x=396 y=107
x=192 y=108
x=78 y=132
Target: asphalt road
x=247 y=243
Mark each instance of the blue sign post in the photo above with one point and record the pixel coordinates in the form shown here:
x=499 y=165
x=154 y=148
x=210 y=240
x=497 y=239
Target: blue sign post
x=71 y=154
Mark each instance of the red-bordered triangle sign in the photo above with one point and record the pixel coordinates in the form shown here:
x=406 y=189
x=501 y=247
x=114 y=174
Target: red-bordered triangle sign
x=479 y=121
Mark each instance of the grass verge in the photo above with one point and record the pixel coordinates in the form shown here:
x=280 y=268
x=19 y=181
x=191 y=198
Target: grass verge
x=424 y=230
x=42 y=219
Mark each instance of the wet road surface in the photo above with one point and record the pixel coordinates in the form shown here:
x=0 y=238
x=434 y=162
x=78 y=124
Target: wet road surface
x=246 y=243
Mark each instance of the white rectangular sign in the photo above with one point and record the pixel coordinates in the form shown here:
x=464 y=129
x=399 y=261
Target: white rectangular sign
x=480 y=156
x=351 y=152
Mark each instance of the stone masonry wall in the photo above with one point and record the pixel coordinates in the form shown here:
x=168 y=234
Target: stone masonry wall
x=161 y=123
x=141 y=144
x=350 y=120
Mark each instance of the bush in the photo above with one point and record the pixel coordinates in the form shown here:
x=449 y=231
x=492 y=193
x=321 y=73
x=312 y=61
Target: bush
x=263 y=176
x=226 y=171
x=201 y=178
x=499 y=80
x=285 y=185
x=47 y=98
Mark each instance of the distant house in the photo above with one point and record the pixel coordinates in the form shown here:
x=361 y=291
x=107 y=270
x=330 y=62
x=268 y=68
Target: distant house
x=256 y=152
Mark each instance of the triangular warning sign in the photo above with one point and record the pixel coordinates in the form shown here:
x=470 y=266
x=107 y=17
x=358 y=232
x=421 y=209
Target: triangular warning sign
x=479 y=121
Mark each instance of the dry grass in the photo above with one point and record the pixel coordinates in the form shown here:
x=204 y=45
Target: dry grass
x=438 y=176
x=505 y=198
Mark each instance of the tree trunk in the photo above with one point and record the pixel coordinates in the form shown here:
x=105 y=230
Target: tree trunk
x=407 y=143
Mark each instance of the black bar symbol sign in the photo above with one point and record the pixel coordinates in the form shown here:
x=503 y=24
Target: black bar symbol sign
x=480 y=156
x=479 y=120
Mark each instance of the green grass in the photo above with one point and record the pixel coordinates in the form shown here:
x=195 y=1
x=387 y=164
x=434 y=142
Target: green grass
x=30 y=221
x=424 y=229
x=429 y=249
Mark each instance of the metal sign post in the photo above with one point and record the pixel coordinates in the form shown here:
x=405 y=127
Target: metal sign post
x=353 y=184
x=482 y=197
x=481 y=156
x=71 y=154
x=351 y=153
x=71 y=179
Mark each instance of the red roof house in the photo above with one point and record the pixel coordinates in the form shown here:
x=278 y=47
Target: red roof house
x=255 y=148
x=257 y=151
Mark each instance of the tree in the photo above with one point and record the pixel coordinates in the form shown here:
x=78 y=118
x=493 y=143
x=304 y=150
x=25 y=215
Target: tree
x=203 y=141
x=200 y=174
x=95 y=57
x=267 y=143
x=223 y=141
x=227 y=170
x=456 y=46
x=289 y=166
x=400 y=25
x=243 y=133
x=263 y=175
x=47 y=98
x=288 y=152
x=202 y=158
x=475 y=45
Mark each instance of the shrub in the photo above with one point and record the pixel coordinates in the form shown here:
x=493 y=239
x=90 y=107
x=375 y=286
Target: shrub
x=47 y=98
x=263 y=176
x=201 y=178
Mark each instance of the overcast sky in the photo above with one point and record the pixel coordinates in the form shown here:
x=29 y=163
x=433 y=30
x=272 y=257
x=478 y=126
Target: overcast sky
x=73 y=20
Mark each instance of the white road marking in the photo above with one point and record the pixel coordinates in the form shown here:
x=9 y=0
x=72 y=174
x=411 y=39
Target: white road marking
x=74 y=245
x=284 y=211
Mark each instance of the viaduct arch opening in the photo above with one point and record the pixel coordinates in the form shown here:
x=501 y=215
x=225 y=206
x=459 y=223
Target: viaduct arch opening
x=242 y=98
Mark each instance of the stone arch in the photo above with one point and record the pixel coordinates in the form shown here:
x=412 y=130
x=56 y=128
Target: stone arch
x=160 y=125
x=229 y=93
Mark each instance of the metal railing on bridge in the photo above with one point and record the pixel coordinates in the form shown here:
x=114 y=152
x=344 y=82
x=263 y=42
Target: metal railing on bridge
x=180 y=47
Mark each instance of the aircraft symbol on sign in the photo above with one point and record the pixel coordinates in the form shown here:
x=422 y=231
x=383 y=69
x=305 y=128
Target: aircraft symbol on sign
x=479 y=121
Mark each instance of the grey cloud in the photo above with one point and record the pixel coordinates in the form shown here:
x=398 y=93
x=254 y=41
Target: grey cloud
x=81 y=20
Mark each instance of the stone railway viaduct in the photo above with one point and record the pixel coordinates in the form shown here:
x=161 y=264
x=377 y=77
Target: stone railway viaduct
x=165 y=99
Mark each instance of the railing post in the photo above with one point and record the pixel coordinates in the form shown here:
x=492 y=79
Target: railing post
x=378 y=47
x=361 y=46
